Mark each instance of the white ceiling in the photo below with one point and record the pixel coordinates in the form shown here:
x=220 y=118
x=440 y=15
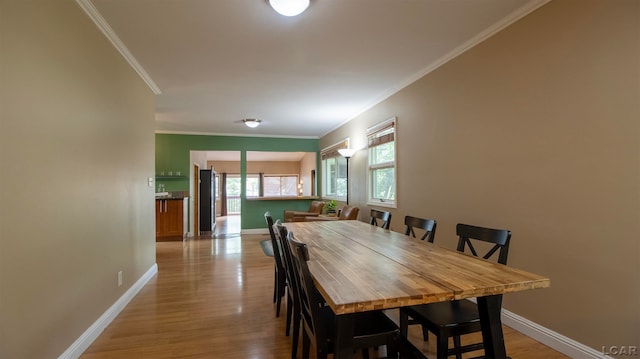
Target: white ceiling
x=215 y=62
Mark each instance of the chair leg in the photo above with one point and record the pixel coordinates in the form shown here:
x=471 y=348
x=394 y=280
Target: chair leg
x=289 y=313
x=393 y=347
x=442 y=346
x=425 y=333
x=456 y=345
x=404 y=323
x=296 y=334
x=275 y=284
x=306 y=343
x=278 y=302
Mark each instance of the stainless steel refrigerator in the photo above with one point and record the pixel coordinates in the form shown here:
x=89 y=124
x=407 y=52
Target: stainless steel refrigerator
x=207 y=200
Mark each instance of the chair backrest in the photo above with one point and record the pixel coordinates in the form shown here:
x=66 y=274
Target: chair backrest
x=277 y=250
x=281 y=234
x=383 y=216
x=316 y=207
x=499 y=237
x=311 y=302
x=349 y=212
x=427 y=225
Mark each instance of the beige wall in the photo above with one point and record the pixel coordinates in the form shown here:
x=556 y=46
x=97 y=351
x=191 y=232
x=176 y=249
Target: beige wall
x=307 y=166
x=225 y=166
x=76 y=149
x=274 y=167
x=536 y=130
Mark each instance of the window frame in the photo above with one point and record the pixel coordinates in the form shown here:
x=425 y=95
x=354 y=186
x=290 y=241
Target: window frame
x=261 y=184
x=281 y=176
x=391 y=123
x=252 y=176
x=331 y=152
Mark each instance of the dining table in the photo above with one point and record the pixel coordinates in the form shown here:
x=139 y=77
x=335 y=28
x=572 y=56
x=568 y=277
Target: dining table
x=359 y=267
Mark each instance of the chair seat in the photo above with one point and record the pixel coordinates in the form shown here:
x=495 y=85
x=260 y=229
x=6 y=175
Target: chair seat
x=459 y=317
x=369 y=327
x=373 y=323
x=457 y=313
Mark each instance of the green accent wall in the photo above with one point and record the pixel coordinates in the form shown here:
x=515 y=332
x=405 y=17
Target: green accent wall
x=173 y=154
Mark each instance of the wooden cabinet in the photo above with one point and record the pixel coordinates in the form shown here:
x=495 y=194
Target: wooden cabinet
x=169 y=219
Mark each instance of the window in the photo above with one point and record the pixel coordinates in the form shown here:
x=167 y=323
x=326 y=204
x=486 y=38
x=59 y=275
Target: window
x=334 y=172
x=253 y=185
x=264 y=185
x=381 y=141
x=275 y=186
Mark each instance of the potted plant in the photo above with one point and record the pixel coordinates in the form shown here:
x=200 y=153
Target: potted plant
x=330 y=207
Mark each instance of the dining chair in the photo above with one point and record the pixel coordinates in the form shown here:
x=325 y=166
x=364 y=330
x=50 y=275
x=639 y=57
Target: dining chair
x=349 y=213
x=427 y=225
x=280 y=279
x=371 y=329
x=293 y=303
x=458 y=317
x=383 y=216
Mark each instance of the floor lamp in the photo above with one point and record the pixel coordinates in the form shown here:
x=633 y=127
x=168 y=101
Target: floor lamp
x=347 y=153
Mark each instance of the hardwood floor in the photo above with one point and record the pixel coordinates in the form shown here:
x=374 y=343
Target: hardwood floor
x=212 y=298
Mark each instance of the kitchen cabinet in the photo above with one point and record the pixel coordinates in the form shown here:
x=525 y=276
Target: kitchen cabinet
x=169 y=219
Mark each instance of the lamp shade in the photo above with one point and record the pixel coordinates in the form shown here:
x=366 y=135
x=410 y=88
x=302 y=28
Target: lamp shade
x=289 y=7
x=347 y=152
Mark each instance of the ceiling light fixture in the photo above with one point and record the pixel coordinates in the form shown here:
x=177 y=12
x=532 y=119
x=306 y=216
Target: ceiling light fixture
x=251 y=122
x=289 y=7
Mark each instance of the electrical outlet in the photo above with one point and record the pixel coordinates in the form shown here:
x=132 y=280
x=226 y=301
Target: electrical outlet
x=119 y=278
x=150 y=182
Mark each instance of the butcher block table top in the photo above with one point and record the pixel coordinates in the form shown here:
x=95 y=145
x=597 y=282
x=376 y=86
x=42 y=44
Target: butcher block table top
x=359 y=267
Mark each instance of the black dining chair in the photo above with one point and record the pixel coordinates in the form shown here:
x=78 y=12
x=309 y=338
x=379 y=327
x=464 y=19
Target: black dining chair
x=293 y=303
x=458 y=317
x=428 y=226
x=415 y=223
x=372 y=328
x=280 y=278
x=383 y=216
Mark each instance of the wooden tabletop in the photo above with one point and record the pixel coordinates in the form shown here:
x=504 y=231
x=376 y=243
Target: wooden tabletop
x=359 y=267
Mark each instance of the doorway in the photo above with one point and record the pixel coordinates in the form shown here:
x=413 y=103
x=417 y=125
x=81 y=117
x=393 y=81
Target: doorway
x=225 y=164
x=228 y=220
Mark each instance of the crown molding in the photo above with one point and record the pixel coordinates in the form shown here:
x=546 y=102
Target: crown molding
x=106 y=29
x=196 y=133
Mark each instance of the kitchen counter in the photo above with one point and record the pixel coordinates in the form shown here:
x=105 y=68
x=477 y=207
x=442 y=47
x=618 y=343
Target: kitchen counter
x=172 y=195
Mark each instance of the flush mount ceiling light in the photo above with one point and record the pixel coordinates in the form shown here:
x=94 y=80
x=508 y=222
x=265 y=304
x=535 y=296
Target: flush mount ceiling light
x=251 y=122
x=289 y=7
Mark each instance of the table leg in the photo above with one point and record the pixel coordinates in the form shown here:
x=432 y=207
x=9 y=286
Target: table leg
x=344 y=336
x=489 y=311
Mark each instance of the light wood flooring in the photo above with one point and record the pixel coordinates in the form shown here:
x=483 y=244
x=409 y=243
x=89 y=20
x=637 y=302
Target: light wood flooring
x=212 y=298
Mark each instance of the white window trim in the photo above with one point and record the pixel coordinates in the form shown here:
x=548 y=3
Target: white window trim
x=376 y=202
x=324 y=184
x=282 y=175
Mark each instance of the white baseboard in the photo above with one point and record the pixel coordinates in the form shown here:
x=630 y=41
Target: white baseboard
x=84 y=341
x=255 y=231
x=548 y=337
x=556 y=341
